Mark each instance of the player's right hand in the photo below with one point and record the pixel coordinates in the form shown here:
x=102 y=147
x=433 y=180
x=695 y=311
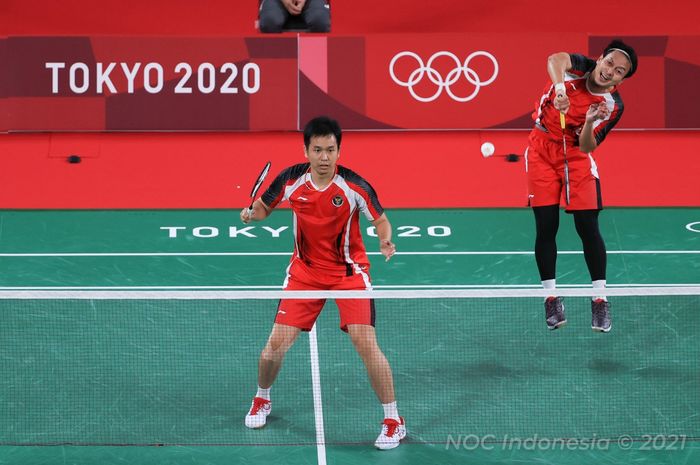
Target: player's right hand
x=561 y=103
x=246 y=215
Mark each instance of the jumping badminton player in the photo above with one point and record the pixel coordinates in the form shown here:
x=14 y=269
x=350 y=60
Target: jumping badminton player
x=329 y=254
x=582 y=96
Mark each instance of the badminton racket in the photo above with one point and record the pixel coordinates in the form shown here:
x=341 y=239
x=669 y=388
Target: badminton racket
x=257 y=185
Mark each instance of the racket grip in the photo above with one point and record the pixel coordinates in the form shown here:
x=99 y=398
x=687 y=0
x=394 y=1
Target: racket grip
x=562 y=119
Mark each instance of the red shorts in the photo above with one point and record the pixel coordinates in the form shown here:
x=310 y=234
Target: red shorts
x=302 y=313
x=544 y=163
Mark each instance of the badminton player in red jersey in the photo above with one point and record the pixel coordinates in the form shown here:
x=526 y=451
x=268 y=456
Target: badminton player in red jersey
x=329 y=254
x=586 y=92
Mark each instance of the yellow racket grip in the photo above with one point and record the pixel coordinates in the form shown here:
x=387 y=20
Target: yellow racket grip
x=562 y=120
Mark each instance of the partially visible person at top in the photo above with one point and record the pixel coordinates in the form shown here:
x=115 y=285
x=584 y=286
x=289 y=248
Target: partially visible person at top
x=329 y=254
x=275 y=13
x=586 y=92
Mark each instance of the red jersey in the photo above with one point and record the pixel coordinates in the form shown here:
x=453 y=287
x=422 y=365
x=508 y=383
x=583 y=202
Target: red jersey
x=326 y=221
x=547 y=117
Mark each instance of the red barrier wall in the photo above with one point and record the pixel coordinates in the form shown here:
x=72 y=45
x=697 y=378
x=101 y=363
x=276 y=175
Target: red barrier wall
x=417 y=169
x=202 y=170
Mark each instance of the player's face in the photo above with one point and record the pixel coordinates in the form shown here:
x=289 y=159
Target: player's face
x=611 y=69
x=322 y=154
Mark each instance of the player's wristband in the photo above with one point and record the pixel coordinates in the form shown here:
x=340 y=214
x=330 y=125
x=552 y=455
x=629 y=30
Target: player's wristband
x=560 y=88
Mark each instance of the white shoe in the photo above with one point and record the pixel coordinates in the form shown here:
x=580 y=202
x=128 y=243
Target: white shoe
x=257 y=416
x=392 y=433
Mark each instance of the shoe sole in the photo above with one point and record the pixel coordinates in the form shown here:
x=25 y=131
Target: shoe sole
x=393 y=446
x=557 y=326
x=258 y=426
x=255 y=427
x=601 y=330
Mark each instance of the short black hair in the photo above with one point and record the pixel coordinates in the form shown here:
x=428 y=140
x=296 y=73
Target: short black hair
x=629 y=51
x=322 y=126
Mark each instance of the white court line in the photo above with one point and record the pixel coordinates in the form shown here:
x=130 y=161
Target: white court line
x=271 y=254
x=316 y=392
x=278 y=288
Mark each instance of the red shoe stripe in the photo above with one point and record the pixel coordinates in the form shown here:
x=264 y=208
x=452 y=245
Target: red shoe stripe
x=258 y=403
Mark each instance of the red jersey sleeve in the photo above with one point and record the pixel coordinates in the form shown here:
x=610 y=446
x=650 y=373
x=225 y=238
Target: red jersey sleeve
x=275 y=193
x=580 y=64
x=368 y=201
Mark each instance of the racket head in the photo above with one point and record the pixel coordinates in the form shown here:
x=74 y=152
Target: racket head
x=260 y=180
x=258 y=183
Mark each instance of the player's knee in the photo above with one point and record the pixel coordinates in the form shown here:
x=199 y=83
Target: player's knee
x=318 y=20
x=273 y=354
x=586 y=223
x=276 y=348
x=365 y=347
x=271 y=22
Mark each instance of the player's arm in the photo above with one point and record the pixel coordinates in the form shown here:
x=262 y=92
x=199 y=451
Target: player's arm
x=586 y=140
x=557 y=66
x=260 y=212
x=383 y=228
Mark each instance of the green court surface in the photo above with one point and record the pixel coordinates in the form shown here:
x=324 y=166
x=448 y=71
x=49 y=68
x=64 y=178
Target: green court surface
x=480 y=381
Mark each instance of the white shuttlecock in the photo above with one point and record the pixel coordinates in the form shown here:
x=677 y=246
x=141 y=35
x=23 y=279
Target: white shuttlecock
x=487 y=149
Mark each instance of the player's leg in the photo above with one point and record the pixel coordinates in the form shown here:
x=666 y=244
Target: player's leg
x=317 y=16
x=281 y=339
x=357 y=319
x=544 y=180
x=293 y=316
x=586 y=203
x=272 y=17
x=364 y=340
x=594 y=250
x=546 y=227
x=595 y=254
x=379 y=372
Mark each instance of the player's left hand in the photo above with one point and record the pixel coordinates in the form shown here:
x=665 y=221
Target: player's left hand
x=387 y=248
x=597 y=111
x=292 y=6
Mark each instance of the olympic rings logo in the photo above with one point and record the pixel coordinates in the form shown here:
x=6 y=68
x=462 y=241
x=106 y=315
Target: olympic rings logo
x=436 y=78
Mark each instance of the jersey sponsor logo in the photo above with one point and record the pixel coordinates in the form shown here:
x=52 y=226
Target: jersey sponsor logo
x=337 y=201
x=302 y=198
x=443 y=83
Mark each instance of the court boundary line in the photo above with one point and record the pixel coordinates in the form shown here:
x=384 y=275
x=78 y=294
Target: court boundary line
x=380 y=286
x=344 y=294
x=273 y=254
x=317 y=400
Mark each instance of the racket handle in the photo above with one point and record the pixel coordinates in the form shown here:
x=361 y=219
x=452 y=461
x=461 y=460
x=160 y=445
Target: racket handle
x=562 y=120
